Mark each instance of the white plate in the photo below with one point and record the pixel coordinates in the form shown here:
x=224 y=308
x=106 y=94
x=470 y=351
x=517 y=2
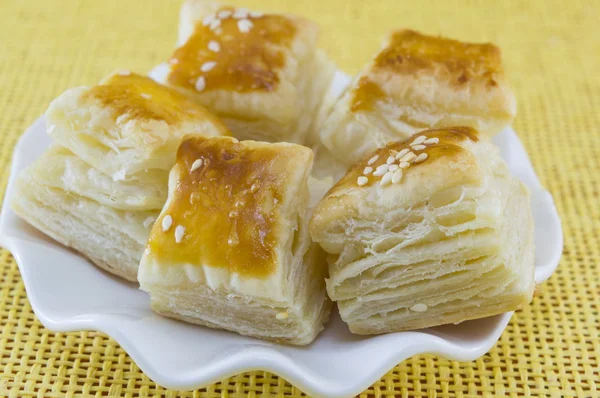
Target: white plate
x=67 y=293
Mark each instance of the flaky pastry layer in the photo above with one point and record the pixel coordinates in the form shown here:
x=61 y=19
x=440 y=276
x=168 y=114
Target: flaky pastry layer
x=427 y=231
x=231 y=247
x=260 y=73
x=417 y=82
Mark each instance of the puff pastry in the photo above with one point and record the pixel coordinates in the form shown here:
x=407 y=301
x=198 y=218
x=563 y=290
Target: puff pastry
x=260 y=73
x=428 y=231
x=129 y=126
x=417 y=82
x=231 y=248
x=102 y=186
x=79 y=212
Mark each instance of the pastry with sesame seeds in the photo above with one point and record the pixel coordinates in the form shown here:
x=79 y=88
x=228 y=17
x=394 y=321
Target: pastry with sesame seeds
x=417 y=82
x=128 y=124
x=102 y=184
x=447 y=238
x=261 y=73
x=236 y=253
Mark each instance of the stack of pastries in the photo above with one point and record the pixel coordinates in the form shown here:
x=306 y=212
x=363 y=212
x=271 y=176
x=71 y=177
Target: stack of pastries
x=99 y=188
x=201 y=187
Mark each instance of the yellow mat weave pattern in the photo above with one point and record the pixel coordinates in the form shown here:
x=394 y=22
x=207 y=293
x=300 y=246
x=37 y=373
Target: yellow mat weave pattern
x=551 y=50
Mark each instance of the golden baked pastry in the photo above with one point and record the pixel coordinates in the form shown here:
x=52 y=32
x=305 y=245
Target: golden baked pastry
x=128 y=126
x=100 y=189
x=417 y=82
x=427 y=231
x=260 y=73
x=231 y=248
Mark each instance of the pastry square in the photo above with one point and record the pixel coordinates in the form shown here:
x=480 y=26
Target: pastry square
x=129 y=126
x=417 y=82
x=231 y=249
x=260 y=73
x=103 y=186
x=428 y=231
x=86 y=210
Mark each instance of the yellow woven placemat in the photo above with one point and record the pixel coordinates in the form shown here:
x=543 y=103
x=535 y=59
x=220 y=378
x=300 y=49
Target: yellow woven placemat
x=552 y=52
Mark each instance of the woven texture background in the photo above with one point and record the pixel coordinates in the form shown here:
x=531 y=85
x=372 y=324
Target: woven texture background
x=552 y=52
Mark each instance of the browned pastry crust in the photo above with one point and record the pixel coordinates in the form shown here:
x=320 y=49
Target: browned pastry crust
x=427 y=231
x=416 y=82
x=231 y=248
x=128 y=126
x=102 y=186
x=261 y=73
x=235 y=206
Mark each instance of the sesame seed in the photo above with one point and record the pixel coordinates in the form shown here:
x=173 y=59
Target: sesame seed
x=208 y=66
x=419 y=307
x=431 y=141
x=418 y=147
x=224 y=14
x=214 y=46
x=397 y=176
x=167 y=221
x=200 y=84
x=362 y=180
x=381 y=170
x=207 y=20
x=218 y=31
x=394 y=167
x=256 y=14
x=179 y=231
x=419 y=140
x=144 y=95
x=215 y=23
x=124 y=72
x=254 y=188
x=232 y=214
x=390 y=160
x=368 y=170
x=373 y=160
x=282 y=315
x=421 y=158
x=408 y=157
x=196 y=165
x=404 y=165
x=387 y=178
x=244 y=25
x=402 y=153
